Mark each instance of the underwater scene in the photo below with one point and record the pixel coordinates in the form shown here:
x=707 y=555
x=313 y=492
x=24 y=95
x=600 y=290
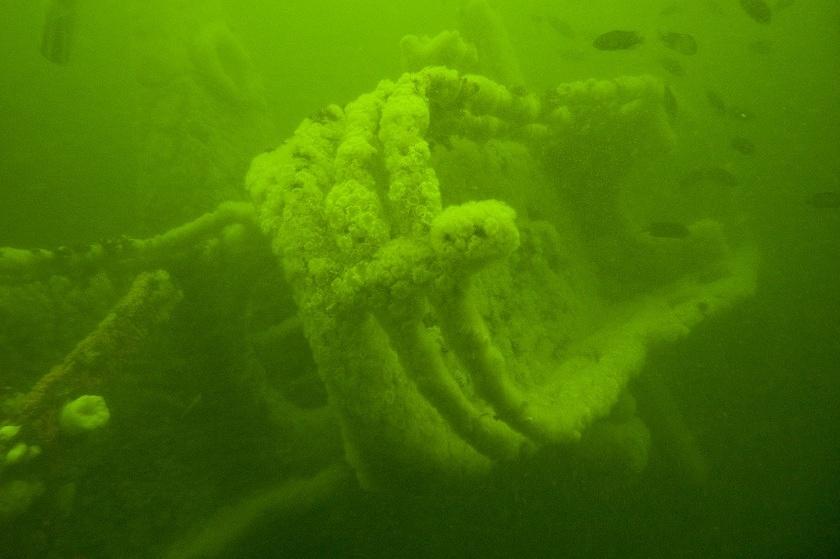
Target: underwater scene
x=411 y=279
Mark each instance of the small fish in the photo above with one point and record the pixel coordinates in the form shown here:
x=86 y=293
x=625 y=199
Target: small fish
x=742 y=145
x=191 y=405
x=667 y=230
x=724 y=109
x=617 y=40
x=57 y=33
x=740 y=113
x=670 y=103
x=561 y=27
x=714 y=8
x=518 y=90
x=827 y=199
x=762 y=47
x=715 y=175
x=672 y=9
x=758 y=10
x=683 y=43
x=783 y=4
x=672 y=66
x=573 y=55
x=716 y=101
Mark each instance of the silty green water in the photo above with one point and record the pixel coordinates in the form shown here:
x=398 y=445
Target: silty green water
x=568 y=289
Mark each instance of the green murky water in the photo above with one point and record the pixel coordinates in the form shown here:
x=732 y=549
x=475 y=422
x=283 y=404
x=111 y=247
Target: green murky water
x=526 y=306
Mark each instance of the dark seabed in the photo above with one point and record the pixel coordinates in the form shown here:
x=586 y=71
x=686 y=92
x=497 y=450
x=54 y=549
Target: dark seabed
x=454 y=278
